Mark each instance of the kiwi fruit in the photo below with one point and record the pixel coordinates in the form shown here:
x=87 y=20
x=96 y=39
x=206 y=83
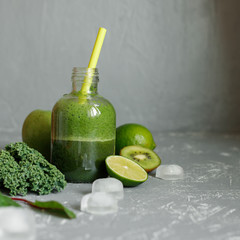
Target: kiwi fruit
x=145 y=157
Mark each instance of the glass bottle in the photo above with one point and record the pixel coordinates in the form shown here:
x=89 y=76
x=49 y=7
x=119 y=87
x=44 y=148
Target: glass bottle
x=83 y=130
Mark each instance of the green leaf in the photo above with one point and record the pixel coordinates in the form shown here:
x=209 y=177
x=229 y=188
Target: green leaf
x=50 y=206
x=55 y=207
x=6 y=201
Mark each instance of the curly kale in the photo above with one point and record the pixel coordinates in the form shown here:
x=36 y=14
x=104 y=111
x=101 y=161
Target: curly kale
x=24 y=169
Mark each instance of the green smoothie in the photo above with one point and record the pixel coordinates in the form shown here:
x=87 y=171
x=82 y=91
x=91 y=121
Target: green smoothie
x=83 y=135
x=87 y=166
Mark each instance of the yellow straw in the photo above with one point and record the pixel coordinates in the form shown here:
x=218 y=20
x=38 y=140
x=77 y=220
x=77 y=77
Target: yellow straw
x=94 y=59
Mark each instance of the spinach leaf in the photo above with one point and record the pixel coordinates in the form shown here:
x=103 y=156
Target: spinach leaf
x=50 y=206
x=6 y=201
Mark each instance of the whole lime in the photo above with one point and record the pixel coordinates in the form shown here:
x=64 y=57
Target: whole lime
x=36 y=131
x=133 y=134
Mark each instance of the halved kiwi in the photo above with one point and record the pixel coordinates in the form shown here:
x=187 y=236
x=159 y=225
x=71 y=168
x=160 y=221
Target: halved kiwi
x=145 y=157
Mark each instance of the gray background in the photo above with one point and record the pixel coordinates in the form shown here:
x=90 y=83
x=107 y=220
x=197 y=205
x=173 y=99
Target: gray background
x=168 y=64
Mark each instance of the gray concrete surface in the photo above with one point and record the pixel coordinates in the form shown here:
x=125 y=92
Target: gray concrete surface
x=170 y=65
x=204 y=205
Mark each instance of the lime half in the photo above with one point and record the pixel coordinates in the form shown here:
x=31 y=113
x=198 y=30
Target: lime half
x=125 y=170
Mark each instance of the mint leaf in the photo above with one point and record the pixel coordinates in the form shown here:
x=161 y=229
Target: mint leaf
x=6 y=201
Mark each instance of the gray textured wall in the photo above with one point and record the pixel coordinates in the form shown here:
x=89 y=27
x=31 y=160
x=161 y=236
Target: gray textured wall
x=167 y=64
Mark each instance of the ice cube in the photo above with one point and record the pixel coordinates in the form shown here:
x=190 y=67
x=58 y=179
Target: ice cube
x=170 y=172
x=99 y=203
x=110 y=185
x=84 y=202
x=16 y=223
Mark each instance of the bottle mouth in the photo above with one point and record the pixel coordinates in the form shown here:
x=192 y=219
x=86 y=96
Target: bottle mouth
x=83 y=74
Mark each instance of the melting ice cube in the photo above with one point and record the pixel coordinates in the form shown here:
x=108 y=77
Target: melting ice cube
x=99 y=203
x=110 y=185
x=16 y=223
x=170 y=172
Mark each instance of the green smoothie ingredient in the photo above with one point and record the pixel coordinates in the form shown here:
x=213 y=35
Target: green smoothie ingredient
x=145 y=157
x=24 y=169
x=125 y=170
x=50 y=206
x=7 y=202
x=36 y=131
x=133 y=134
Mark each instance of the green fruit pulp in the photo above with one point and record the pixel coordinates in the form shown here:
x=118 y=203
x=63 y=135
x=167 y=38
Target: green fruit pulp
x=126 y=171
x=145 y=157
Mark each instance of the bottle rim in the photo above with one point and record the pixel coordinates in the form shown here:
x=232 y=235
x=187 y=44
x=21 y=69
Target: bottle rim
x=81 y=73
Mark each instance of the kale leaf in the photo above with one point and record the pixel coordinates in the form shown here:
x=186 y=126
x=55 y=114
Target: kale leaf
x=24 y=169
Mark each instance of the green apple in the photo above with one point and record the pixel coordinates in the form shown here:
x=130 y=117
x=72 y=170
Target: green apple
x=36 y=131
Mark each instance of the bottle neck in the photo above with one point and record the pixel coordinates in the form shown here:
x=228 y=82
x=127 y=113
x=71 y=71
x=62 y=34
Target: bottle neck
x=85 y=80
